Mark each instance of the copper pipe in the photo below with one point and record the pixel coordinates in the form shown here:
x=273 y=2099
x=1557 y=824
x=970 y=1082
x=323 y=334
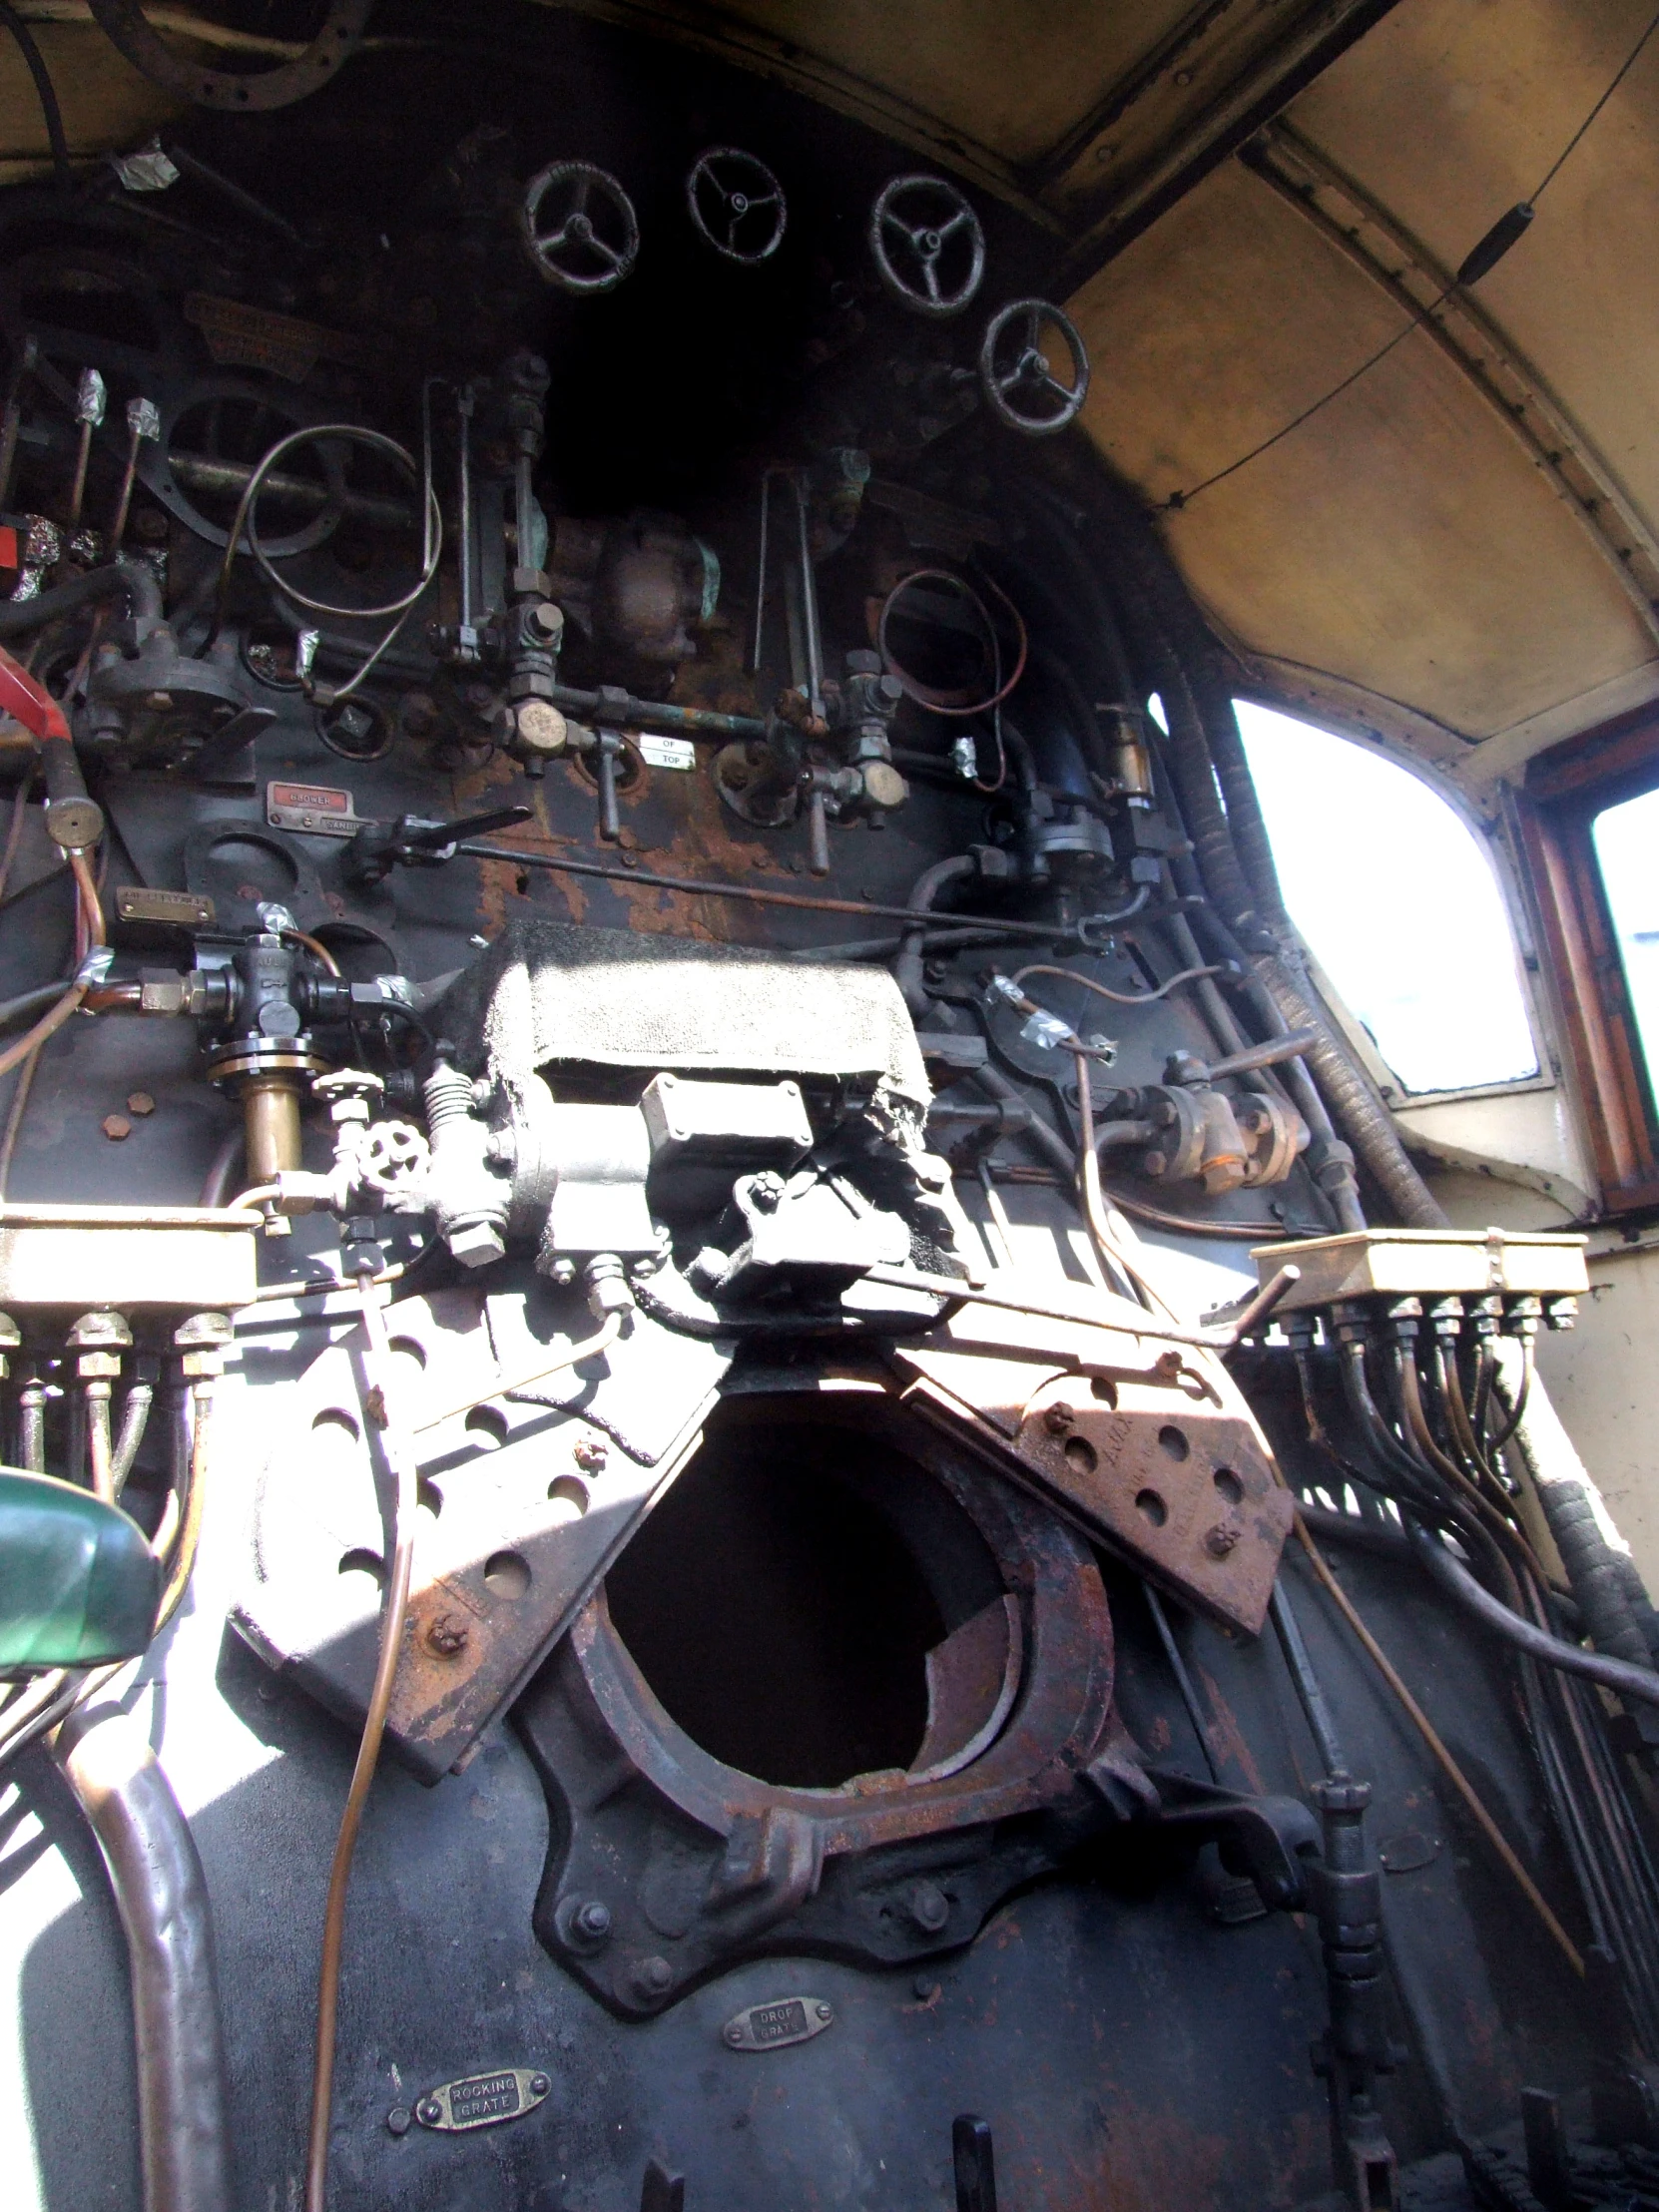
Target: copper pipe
x=1448 y=1765
x=379 y=1399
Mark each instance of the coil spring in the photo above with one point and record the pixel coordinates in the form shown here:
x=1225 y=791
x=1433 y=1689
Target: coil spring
x=448 y=1095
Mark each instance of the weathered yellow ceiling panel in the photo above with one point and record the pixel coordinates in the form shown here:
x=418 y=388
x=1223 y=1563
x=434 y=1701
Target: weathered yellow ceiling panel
x=104 y=102
x=1450 y=113
x=1398 y=539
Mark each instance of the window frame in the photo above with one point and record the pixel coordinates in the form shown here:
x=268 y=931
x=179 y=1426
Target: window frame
x=1565 y=791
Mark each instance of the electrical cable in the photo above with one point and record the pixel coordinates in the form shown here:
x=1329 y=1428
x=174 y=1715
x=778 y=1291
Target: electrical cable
x=1482 y=257
x=947 y=702
x=1617 y=1675
x=45 y=91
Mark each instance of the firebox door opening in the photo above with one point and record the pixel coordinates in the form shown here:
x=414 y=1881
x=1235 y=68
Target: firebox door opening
x=782 y=1600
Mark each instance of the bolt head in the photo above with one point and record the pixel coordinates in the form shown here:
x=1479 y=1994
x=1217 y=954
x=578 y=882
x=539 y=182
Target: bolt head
x=477 y=1243
x=540 y=2083
x=429 y=2112
x=590 y=1453
x=1057 y=1418
x=397 y=2120
x=929 y=1906
x=1220 y=1540
x=447 y=1636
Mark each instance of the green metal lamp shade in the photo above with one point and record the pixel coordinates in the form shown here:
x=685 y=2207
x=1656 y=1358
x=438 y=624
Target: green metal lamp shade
x=77 y=1582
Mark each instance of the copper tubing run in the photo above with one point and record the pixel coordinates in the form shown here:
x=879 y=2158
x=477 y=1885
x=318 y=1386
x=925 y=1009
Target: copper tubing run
x=161 y=1891
x=91 y=917
x=1448 y=1765
x=379 y=1397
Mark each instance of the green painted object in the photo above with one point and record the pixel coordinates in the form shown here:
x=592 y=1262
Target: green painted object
x=77 y=1582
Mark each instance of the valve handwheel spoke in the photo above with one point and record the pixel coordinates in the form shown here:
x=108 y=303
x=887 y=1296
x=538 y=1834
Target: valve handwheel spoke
x=597 y=225
x=741 y=187
x=929 y=246
x=1024 y=391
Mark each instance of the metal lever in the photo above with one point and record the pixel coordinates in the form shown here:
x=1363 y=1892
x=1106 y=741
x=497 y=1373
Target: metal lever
x=1289 y=1047
x=607 y=753
x=380 y=846
x=813 y=782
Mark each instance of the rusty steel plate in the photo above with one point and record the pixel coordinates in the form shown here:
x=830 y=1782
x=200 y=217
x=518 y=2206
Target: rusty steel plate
x=523 y=1508
x=1149 y=1449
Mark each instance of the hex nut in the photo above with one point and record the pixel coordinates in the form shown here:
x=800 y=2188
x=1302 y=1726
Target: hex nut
x=447 y=1635
x=476 y=1244
x=116 y=1127
x=139 y=1103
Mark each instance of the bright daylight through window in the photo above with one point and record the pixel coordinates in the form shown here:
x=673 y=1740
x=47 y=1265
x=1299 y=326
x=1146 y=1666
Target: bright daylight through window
x=1390 y=888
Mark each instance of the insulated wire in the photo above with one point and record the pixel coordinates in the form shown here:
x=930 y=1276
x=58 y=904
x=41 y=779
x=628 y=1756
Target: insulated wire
x=45 y=91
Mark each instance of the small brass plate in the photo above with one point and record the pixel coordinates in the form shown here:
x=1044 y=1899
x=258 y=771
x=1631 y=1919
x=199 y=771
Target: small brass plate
x=482 y=2100
x=775 y=2025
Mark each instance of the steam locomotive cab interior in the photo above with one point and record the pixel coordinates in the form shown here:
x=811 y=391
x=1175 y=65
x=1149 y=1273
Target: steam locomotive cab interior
x=827 y=1173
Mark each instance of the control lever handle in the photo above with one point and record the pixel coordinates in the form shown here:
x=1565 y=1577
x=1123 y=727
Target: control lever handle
x=380 y=846
x=607 y=752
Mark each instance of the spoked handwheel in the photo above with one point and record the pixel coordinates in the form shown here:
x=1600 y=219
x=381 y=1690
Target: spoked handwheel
x=579 y=227
x=1018 y=378
x=930 y=249
x=737 y=204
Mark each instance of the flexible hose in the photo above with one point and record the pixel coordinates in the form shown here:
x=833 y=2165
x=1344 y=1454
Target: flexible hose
x=1618 y=1674
x=908 y=964
x=19 y=616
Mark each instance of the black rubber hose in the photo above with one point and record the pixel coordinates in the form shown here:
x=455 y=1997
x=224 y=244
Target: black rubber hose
x=18 y=616
x=1617 y=1675
x=44 y=90
x=31 y=1002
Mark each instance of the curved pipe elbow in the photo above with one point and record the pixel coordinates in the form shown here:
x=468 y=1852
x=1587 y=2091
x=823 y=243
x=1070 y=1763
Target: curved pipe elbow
x=924 y=890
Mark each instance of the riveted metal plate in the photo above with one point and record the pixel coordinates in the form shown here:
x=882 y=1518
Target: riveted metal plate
x=482 y=2100
x=777 y=2023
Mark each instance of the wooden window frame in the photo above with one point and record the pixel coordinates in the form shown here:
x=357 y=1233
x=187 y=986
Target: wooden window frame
x=1565 y=789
